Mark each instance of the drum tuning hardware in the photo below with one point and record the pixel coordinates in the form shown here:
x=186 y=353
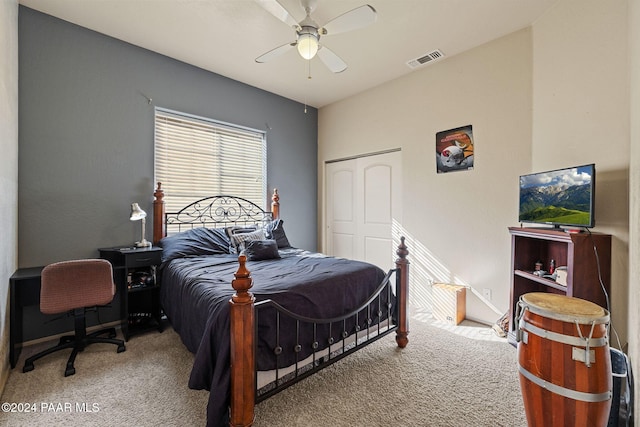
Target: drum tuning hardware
x=587 y=355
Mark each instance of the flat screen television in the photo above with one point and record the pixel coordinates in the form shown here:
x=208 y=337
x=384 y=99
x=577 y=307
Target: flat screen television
x=561 y=197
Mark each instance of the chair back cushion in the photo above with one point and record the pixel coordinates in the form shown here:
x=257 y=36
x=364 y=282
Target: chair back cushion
x=68 y=285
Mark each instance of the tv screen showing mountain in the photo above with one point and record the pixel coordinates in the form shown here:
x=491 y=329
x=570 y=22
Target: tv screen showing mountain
x=560 y=197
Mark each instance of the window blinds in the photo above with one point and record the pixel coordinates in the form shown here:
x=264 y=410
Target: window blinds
x=197 y=157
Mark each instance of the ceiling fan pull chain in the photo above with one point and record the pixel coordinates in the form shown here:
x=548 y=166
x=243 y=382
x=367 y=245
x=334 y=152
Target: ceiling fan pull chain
x=305 y=103
x=308 y=78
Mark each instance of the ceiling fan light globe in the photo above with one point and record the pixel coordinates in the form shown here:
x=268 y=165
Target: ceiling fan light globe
x=307 y=46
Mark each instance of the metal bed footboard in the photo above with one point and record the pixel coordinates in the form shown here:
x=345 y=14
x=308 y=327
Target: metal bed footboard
x=367 y=323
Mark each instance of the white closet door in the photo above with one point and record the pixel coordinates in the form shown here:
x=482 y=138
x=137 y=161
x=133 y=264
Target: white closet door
x=363 y=199
x=341 y=210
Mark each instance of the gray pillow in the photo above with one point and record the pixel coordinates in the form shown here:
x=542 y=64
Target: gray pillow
x=195 y=242
x=257 y=250
x=275 y=230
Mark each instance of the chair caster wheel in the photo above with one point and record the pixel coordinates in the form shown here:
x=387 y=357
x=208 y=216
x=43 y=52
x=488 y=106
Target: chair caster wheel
x=65 y=340
x=27 y=368
x=121 y=348
x=69 y=371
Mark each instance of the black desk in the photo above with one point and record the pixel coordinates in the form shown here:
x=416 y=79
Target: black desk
x=28 y=323
x=24 y=288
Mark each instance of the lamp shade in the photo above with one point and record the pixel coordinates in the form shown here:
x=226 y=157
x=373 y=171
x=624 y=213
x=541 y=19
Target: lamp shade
x=307 y=45
x=137 y=213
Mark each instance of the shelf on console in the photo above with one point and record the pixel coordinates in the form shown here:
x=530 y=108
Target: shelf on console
x=542 y=280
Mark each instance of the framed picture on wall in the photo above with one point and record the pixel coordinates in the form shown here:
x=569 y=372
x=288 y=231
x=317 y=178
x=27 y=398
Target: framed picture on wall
x=454 y=149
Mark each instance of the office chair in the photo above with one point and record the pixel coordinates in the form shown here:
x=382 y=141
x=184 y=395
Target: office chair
x=72 y=287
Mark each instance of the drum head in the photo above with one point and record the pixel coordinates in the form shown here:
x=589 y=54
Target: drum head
x=561 y=307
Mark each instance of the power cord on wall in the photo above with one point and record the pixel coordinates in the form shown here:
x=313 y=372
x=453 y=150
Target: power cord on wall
x=629 y=399
x=604 y=289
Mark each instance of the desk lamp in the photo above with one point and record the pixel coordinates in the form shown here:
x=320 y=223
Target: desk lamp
x=136 y=215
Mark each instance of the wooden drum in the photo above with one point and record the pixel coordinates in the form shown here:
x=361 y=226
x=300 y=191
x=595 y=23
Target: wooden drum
x=563 y=360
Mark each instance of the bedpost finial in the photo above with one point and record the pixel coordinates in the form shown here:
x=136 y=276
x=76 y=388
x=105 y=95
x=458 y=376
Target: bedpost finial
x=276 y=196
x=243 y=272
x=159 y=193
x=242 y=282
x=402 y=250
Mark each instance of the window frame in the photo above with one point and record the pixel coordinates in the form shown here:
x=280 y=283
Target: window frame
x=217 y=127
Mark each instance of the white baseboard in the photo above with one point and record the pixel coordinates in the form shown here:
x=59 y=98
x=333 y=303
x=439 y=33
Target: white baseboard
x=482 y=322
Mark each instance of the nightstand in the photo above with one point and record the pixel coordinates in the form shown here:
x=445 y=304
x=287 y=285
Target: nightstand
x=134 y=273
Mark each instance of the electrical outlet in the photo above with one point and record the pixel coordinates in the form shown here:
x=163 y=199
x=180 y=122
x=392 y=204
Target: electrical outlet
x=486 y=294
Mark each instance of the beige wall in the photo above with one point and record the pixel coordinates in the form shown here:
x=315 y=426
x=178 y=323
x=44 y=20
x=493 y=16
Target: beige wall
x=634 y=193
x=553 y=95
x=456 y=223
x=8 y=168
x=581 y=115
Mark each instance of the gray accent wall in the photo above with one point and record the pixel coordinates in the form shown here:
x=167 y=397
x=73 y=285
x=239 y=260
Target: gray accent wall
x=86 y=138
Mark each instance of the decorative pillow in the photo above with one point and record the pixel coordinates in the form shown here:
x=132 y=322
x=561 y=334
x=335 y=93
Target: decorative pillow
x=239 y=229
x=275 y=230
x=257 y=250
x=194 y=242
x=238 y=240
x=236 y=229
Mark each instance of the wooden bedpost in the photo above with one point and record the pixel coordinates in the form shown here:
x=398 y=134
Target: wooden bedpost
x=242 y=318
x=159 y=229
x=403 y=295
x=275 y=204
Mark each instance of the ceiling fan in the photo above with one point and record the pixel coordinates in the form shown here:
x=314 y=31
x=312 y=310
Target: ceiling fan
x=308 y=32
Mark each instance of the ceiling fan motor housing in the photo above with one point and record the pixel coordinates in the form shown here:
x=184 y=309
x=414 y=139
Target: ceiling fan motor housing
x=312 y=31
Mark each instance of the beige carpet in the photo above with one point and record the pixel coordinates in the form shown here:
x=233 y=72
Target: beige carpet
x=447 y=376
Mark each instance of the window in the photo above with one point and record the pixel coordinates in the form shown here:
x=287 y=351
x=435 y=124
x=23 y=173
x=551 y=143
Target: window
x=197 y=157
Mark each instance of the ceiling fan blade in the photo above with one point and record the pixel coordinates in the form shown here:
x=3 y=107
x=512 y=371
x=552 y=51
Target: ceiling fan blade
x=277 y=10
x=331 y=60
x=273 y=53
x=357 y=18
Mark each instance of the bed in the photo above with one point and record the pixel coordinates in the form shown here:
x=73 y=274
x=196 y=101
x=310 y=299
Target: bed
x=258 y=313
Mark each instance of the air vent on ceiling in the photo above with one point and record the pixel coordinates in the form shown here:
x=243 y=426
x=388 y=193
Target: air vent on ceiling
x=425 y=59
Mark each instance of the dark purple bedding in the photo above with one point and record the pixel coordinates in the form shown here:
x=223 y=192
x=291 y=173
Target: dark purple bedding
x=195 y=291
